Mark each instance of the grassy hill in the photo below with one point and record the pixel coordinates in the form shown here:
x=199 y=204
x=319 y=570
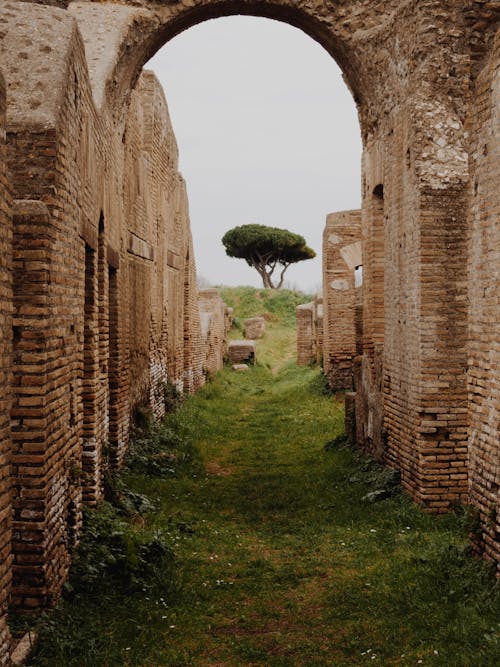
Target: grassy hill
x=278 y=347
x=278 y=306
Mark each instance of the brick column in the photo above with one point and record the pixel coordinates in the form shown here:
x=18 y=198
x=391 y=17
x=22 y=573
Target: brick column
x=306 y=347
x=484 y=305
x=213 y=329
x=341 y=254
x=412 y=394
x=5 y=383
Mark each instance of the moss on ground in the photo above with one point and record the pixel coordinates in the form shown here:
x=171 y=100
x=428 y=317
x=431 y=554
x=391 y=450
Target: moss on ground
x=278 y=559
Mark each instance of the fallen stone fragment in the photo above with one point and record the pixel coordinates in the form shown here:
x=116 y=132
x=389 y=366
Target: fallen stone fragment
x=239 y=368
x=23 y=650
x=375 y=496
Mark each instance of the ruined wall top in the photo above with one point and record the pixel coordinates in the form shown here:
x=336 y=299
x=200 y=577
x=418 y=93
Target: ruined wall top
x=384 y=47
x=36 y=63
x=389 y=51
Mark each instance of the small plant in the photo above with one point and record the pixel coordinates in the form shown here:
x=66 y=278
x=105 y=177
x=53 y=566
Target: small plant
x=143 y=418
x=115 y=552
x=164 y=451
x=319 y=384
x=172 y=397
x=339 y=442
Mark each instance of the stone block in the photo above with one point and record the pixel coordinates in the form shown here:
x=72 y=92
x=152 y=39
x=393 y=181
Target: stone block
x=242 y=351
x=255 y=328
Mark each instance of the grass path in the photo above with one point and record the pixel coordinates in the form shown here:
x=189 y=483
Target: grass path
x=281 y=562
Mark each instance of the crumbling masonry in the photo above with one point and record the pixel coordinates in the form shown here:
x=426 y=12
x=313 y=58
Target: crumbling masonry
x=97 y=296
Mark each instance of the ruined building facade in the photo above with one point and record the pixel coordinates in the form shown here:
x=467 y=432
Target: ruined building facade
x=99 y=307
x=89 y=288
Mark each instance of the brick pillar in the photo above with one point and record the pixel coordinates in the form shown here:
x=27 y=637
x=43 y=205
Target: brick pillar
x=412 y=396
x=341 y=254
x=306 y=343
x=5 y=384
x=45 y=418
x=319 y=328
x=213 y=329
x=484 y=305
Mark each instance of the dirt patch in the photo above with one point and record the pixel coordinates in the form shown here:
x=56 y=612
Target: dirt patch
x=215 y=469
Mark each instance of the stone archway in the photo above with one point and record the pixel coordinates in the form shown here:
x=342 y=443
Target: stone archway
x=410 y=67
x=408 y=88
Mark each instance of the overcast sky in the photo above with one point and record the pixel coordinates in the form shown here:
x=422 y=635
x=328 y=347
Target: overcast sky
x=267 y=132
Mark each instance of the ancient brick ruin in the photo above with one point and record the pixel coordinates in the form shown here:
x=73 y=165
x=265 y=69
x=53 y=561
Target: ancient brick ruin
x=341 y=256
x=310 y=328
x=216 y=320
x=98 y=305
x=99 y=308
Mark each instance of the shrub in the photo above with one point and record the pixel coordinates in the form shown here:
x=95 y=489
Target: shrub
x=115 y=552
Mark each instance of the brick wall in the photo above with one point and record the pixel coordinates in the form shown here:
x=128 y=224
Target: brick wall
x=214 y=328
x=309 y=317
x=411 y=380
x=164 y=323
x=5 y=383
x=104 y=289
x=306 y=334
x=484 y=304
x=341 y=255
x=48 y=414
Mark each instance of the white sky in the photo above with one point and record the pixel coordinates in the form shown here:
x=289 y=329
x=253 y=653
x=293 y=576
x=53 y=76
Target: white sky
x=267 y=132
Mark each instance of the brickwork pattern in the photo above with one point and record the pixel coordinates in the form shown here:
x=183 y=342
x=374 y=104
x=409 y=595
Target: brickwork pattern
x=341 y=255
x=306 y=335
x=484 y=303
x=242 y=351
x=309 y=318
x=214 y=329
x=104 y=303
x=5 y=383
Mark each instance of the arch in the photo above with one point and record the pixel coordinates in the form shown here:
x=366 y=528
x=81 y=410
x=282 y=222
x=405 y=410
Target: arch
x=134 y=34
x=409 y=91
x=409 y=88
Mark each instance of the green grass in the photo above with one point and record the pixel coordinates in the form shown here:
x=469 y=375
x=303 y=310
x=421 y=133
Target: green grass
x=278 y=559
x=278 y=308
x=279 y=305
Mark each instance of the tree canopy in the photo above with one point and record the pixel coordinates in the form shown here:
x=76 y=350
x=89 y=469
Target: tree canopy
x=266 y=248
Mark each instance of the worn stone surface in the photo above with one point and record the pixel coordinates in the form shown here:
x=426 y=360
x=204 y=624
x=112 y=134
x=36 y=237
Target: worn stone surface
x=341 y=255
x=255 y=328
x=101 y=282
x=23 y=649
x=240 y=368
x=215 y=324
x=242 y=351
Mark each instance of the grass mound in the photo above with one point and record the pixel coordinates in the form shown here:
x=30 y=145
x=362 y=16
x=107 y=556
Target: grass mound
x=277 y=305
